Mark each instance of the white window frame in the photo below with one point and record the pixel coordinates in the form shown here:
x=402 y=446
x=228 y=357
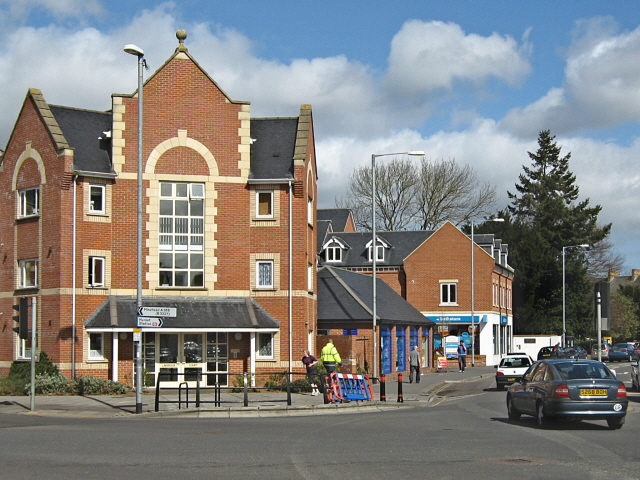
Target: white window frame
x=23 y=197
x=24 y=278
x=333 y=253
x=196 y=191
x=309 y=277
x=379 y=252
x=93 y=354
x=181 y=236
x=259 y=284
x=270 y=343
x=310 y=211
x=449 y=287
x=98 y=264
x=270 y=194
x=102 y=190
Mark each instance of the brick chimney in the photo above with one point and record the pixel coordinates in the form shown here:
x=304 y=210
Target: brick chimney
x=613 y=273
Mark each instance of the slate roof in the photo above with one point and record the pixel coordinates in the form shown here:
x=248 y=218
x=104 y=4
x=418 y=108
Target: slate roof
x=323 y=230
x=402 y=244
x=192 y=313
x=83 y=130
x=337 y=216
x=345 y=296
x=273 y=146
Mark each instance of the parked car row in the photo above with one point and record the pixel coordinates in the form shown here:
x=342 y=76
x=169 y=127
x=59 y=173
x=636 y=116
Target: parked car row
x=610 y=353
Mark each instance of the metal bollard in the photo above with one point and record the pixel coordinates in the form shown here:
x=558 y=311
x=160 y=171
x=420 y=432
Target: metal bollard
x=400 y=396
x=246 y=389
x=383 y=389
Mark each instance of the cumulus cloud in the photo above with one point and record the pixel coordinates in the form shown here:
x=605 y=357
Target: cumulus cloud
x=434 y=55
x=602 y=73
x=358 y=112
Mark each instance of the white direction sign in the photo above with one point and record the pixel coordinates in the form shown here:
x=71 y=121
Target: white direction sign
x=157 y=311
x=149 y=322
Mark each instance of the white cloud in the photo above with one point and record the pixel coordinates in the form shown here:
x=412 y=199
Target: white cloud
x=602 y=75
x=355 y=113
x=433 y=55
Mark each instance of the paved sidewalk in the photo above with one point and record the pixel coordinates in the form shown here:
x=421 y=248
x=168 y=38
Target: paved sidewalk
x=261 y=403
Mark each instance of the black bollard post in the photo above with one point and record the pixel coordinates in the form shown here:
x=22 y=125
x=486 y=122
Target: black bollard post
x=325 y=388
x=400 y=396
x=383 y=389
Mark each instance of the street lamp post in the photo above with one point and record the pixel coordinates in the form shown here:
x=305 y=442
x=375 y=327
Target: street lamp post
x=137 y=51
x=473 y=292
x=374 y=252
x=564 y=294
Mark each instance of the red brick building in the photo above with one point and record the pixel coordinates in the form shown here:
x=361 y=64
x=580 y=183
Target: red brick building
x=432 y=271
x=229 y=247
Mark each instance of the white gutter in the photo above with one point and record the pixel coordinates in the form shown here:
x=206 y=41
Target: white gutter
x=73 y=284
x=290 y=277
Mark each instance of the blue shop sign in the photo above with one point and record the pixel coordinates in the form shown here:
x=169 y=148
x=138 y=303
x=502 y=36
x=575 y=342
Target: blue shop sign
x=504 y=319
x=457 y=318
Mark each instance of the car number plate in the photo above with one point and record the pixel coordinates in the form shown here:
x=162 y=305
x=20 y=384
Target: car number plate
x=511 y=379
x=593 y=392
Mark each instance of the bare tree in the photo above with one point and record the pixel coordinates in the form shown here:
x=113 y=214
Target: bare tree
x=451 y=192
x=602 y=257
x=417 y=196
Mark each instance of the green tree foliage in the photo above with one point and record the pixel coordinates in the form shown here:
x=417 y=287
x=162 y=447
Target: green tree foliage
x=544 y=216
x=625 y=315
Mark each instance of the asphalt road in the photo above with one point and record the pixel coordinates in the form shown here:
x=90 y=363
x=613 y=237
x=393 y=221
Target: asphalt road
x=463 y=434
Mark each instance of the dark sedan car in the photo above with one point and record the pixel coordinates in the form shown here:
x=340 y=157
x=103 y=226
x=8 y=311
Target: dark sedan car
x=550 y=352
x=623 y=352
x=575 y=352
x=576 y=389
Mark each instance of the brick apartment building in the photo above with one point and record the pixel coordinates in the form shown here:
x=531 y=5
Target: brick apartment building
x=432 y=271
x=229 y=247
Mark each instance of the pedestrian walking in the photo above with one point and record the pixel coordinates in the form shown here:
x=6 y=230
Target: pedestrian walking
x=414 y=364
x=310 y=363
x=462 y=356
x=330 y=357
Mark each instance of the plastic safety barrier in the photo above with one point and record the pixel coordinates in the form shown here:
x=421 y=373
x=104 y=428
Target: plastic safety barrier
x=348 y=387
x=442 y=364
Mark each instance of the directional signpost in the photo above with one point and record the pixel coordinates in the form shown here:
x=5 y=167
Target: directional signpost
x=153 y=322
x=157 y=311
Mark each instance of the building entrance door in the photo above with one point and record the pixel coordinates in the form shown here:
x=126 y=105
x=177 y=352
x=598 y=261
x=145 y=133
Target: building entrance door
x=180 y=358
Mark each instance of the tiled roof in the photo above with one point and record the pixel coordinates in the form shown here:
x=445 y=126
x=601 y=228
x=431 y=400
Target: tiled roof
x=337 y=216
x=192 y=312
x=345 y=296
x=273 y=148
x=83 y=130
x=402 y=245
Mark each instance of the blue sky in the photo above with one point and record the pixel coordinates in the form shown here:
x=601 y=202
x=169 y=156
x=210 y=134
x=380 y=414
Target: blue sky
x=470 y=80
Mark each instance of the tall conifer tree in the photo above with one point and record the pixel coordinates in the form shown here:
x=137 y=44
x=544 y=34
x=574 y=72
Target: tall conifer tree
x=547 y=215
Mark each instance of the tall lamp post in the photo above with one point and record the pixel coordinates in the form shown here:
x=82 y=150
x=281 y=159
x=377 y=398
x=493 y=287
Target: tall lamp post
x=473 y=292
x=137 y=51
x=374 y=251
x=564 y=294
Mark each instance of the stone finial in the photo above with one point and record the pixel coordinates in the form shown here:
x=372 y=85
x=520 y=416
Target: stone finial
x=181 y=35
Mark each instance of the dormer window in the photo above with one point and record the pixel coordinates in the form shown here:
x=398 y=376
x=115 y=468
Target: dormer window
x=333 y=253
x=381 y=246
x=333 y=250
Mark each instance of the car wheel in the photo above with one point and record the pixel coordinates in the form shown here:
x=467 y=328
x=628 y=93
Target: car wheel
x=513 y=413
x=615 y=423
x=542 y=419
